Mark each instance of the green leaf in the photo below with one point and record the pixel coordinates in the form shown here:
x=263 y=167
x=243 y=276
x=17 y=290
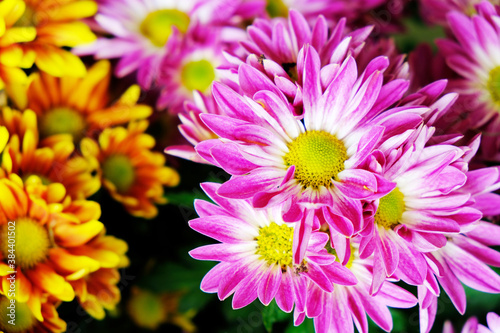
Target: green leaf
x=185 y=198
x=194 y=299
x=416 y=33
x=306 y=327
x=271 y=314
x=169 y=276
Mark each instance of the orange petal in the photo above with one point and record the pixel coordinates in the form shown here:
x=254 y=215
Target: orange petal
x=35 y=303
x=45 y=278
x=23 y=287
x=70 y=235
x=67 y=263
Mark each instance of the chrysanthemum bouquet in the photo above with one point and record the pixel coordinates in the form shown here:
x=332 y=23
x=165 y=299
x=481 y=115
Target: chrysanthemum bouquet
x=344 y=156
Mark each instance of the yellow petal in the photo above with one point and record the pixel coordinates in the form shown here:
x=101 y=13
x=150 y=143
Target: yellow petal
x=44 y=277
x=11 y=11
x=58 y=62
x=35 y=303
x=93 y=308
x=119 y=114
x=89 y=148
x=85 y=210
x=4 y=137
x=130 y=96
x=98 y=72
x=72 y=11
x=18 y=35
x=2 y=27
x=69 y=263
x=55 y=193
x=67 y=34
x=107 y=259
x=23 y=287
x=11 y=56
x=70 y=235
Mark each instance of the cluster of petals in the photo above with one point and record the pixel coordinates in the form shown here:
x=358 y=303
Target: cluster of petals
x=471 y=53
x=47 y=266
x=472 y=325
x=402 y=203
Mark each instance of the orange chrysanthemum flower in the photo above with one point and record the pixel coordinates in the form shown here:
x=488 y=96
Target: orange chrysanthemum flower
x=98 y=291
x=51 y=242
x=133 y=174
x=34 y=31
x=81 y=106
x=26 y=322
x=56 y=162
x=149 y=310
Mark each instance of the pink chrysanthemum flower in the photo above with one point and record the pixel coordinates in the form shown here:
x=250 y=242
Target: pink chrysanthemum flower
x=276 y=157
x=311 y=9
x=273 y=47
x=472 y=325
x=348 y=304
x=435 y=11
x=189 y=67
x=474 y=57
x=192 y=128
x=143 y=31
x=416 y=216
x=256 y=257
x=465 y=257
x=267 y=51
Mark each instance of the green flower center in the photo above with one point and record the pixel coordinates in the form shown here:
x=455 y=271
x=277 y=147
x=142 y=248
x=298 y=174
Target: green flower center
x=28 y=19
x=62 y=121
x=276 y=8
x=118 y=169
x=493 y=85
x=28 y=241
x=332 y=251
x=390 y=209
x=198 y=75
x=157 y=26
x=318 y=157
x=275 y=245
x=24 y=319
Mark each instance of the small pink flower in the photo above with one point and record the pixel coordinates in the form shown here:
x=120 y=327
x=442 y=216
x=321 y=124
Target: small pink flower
x=256 y=256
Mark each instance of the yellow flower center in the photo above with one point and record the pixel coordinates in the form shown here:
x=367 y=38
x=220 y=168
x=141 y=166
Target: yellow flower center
x=276 y=8
x=147 y=309
x=274 y=244
x=493 y=85
x=157 y=26
x=28 y=19
x=318 y=157
x=62 y=121
x=332 y=251
x=390 y=209
x=118 y=169
x=24 y=319
x=27 y=240
x=198 y=75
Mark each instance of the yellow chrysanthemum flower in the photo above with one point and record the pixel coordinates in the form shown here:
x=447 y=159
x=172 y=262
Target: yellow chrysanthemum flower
x=149 y=310
x=26 y=322
x=45 y=237
x=132 y=173
x=98 y=291
x=55 y=162
x=34 y=31
x=81 y=106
